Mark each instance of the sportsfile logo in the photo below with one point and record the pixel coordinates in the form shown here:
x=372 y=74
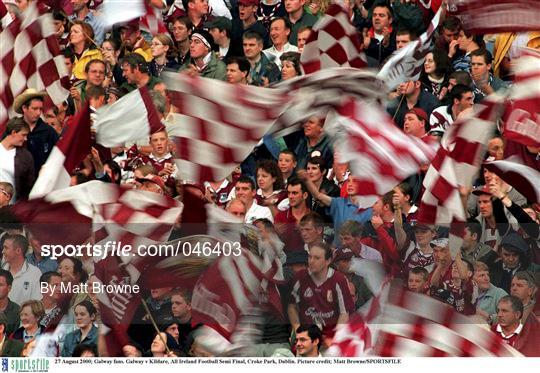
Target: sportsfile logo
x=25 y=365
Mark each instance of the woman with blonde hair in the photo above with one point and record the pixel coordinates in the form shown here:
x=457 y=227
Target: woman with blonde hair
x=31 y=313
x=81 y=42
x=163 y=53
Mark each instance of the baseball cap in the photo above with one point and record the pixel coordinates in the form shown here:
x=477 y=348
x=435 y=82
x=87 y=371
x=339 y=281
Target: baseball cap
x=440 y=242
x=343 y=254
x=222 y=23
x=421 y=114
x=153 y=179
x=483 y=190
x=248 y=2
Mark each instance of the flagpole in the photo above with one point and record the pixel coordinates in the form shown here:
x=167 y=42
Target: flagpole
x=154 y=324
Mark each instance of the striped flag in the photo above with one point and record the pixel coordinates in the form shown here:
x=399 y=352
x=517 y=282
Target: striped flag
x=414 y=324
x=5 y=17
x=333 y=42
x=522 y=111
x=380 y=154
x=407 y=63
x=66 y=155
x=496 y=16
x=456 y=163
x=30 y=58
x=131 y=118
x=218 y=124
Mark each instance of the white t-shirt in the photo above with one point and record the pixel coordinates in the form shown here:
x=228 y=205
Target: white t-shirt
x=7 y=166
x=258 y=212
x=25 y=284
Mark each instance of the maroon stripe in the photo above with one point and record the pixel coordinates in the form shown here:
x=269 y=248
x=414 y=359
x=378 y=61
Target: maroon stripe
x=151 y=112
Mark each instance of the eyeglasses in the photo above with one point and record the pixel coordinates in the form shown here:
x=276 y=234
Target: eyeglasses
x=156 y=44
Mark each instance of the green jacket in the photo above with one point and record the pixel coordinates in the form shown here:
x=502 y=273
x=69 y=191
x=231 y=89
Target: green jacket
x=215 y=69
x=11 y=348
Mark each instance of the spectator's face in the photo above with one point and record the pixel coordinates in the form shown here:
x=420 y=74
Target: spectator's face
x=32 y=111
x=441 y=254
x=506 y=316
x=246 y=12
x=83 y=317
x=278 y=33
x=52 y=120
x=199 y=7
x=518 y=288
x=402 y=40
x=4 y=288
x=180 y=31
x=128 y=72
x=237 y=209
x=416 y=282
x=265 y=181
x=407 y=88
x=234 y=75
x=244 y=192
x=466 y=101
x=287 y=70
x=344 y=265
x=310 y=234
x=347 y=240
x=316 y=261
x=485 y=206
x=76 y=35
x=295 y=195
x=286 y=163
x=78 y=4
x=54 y=286
x=313 y=128
x=468 y=239
x=292 y=6
x=10 y=252
x=381 y=19
x=19 y=138
x=173 y=331
x=22 y=4
x=180 y=308
x=413 y=126
x=496 y=148
x=450 y=35
x=305 y=346
x=301 y=39
x=482 y=279
x=510 y=258
x=479 y=66
x=28 y=319
x=463 y=41
x=197 y=49
x=160 y=293
x=5 y=197
x=216 y=34
x=423 y=236
x=352 y=186
x=159 y=143
x=314 y=172
x=157 y=344
x=429 y=64
x=96 y=74
x=252 y=48
x=157 y=48
x=66 y=270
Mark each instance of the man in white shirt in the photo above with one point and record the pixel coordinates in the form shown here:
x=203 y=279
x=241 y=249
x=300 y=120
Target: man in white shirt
x=245 y=191
x=280 y=29
x=16 y=162
x=25 y=276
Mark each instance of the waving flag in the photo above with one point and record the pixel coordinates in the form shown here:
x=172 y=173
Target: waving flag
x=333 y=42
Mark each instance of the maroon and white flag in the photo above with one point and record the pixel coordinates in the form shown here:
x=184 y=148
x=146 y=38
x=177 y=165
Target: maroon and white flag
x=133 y=117
x=522 y=109
x=380 y=154
x=524 y=179
x=5 y=17
x=407 y=63
x=119 y=11
x=30 y=57
x=496 y=16
x=218 y=124
x=67 y=154
x=415 y=324
x=333 y=42
x=457 y=162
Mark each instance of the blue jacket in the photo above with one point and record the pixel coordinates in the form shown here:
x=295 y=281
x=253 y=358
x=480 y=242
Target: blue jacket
x=74 y=338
